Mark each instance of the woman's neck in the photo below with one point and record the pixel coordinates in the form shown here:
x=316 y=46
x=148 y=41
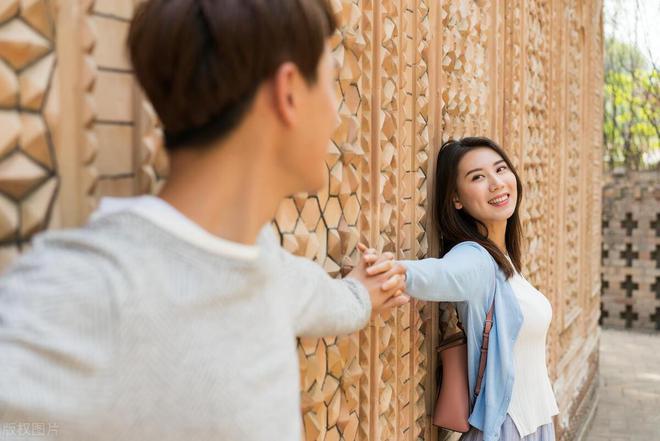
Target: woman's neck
x=497 y=235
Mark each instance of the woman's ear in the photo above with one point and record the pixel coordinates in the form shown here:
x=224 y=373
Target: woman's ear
x=457 y=202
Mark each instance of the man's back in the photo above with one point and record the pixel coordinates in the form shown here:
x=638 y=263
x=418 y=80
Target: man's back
x=128 y=330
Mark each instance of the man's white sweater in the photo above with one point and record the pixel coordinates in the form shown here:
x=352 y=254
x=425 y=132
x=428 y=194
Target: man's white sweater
x=142 y=326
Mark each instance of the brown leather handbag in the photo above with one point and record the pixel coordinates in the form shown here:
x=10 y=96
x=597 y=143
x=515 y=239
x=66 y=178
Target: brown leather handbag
x=452 y=407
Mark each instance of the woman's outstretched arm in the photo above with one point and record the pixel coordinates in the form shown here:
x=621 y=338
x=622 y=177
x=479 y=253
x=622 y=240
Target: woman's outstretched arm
x=466 y=272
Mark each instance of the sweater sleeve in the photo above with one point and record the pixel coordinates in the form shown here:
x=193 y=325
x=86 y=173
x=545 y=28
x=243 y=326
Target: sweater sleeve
x=465 y=271
x=321 y=305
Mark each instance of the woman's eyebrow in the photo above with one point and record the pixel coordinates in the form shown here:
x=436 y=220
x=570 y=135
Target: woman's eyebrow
x=472 y=171
x=480 y=169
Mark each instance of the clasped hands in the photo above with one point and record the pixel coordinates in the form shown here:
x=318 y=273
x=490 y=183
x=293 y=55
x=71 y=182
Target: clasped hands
x=384 y=278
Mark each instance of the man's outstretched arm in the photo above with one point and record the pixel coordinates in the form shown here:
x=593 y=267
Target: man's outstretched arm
x=323 y=306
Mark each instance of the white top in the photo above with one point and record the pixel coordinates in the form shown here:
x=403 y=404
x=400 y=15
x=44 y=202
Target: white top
x=533 y=402
x=141 y=326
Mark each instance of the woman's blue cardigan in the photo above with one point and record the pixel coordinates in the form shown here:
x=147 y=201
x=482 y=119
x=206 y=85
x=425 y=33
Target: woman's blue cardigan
x=469 y=275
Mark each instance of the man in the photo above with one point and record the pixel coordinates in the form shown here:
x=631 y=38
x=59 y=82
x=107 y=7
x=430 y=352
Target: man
x=174 y=317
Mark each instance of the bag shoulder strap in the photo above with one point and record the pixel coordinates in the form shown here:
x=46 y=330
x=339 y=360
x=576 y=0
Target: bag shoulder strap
x=484 y=348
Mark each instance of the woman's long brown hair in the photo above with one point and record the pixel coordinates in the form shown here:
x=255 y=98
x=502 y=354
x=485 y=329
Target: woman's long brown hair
x=455 y=226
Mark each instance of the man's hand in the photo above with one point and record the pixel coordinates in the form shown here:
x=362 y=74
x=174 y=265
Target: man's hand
x=383 y=278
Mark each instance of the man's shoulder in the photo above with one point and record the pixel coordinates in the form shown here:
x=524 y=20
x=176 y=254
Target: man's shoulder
x=60 y=280
x=69 y=256
x=98 y=240
x=90 y=258
x=270 y=245
x=269 y=238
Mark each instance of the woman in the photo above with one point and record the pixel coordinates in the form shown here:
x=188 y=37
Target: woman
x=477 y=200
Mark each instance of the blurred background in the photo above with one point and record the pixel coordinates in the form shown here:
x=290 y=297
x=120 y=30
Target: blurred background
x=629 y=382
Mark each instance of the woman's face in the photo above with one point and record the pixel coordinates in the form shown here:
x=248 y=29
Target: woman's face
x=485 y=186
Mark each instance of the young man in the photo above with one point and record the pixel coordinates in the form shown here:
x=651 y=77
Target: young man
x=174 y=317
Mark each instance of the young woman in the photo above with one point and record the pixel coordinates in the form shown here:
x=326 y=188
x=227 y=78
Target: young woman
x=477 y=200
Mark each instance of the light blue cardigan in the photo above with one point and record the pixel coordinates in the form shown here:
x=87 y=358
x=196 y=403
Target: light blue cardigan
x=469 y=275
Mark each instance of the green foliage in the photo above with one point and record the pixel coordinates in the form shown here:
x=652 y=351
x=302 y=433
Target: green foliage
x=631 y=126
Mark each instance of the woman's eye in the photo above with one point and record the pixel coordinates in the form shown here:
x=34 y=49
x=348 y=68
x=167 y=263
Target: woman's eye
x=499 y=169
x=477 y=177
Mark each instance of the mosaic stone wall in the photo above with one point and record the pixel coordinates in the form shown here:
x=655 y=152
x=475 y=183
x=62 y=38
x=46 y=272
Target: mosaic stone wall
x=413 y=74
x=631 y=251
x=28 y=122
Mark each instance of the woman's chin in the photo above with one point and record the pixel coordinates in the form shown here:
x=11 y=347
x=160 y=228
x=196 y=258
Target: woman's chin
x=499 y=217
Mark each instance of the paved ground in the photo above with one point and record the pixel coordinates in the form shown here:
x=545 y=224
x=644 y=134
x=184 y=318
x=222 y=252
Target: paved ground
x=629 y=405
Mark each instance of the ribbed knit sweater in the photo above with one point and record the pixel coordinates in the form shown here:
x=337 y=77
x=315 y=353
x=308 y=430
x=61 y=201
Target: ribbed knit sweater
x=533 y=402
x=142 y=326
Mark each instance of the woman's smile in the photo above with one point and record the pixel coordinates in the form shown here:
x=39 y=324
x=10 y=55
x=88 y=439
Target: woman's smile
x=500 y=201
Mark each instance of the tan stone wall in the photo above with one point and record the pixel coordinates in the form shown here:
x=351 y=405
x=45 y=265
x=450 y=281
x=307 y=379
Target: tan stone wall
x=28 y=122
x=413 y=73
x=631 y=250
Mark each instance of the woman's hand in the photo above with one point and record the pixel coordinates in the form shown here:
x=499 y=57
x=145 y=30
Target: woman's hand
x=387 y=276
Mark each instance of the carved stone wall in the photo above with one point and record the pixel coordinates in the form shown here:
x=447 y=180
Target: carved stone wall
x=413 y=74
x=631 y=251
x=28 y=122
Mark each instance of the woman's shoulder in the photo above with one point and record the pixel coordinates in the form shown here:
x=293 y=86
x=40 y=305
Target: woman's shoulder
x=472 y=248
x=474 y=254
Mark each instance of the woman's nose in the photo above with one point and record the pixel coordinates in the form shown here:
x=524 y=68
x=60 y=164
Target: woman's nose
x=495 y=184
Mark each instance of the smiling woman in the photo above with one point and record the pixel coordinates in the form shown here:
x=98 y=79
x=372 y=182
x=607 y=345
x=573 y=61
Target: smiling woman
x=478 y=194
x=477 y=199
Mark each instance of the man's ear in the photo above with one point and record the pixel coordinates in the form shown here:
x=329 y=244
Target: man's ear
x=286 y=82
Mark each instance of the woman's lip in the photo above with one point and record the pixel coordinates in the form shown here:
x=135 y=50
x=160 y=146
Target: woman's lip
x=500 y=204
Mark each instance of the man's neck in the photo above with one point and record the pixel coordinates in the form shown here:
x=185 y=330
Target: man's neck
x=226 y=191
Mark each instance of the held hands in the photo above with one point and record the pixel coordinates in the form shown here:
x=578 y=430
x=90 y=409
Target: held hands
x=383 y=278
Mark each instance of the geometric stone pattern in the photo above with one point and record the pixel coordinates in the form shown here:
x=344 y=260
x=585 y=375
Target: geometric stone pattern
x=574 y=336
x=389 y=38
x=464 y=79
x=153 y=162
x=572 y=199
x=421 y=382
x=132 y=157
x=378 y=373
x=366 y=33
x=118 y=167
x=631 y=250
x=413 y=73
x=573 y=203
x=466 y=32
x=89 y=80
x=530 y=143
x=325 y=227
x=28 y=125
